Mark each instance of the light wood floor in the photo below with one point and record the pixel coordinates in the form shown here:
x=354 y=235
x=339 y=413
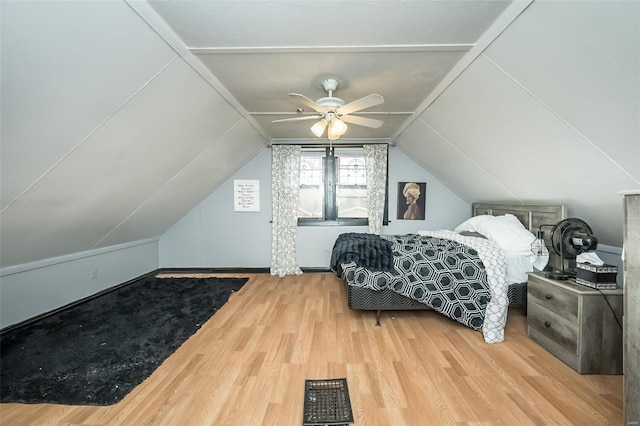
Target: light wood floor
x=248 y=363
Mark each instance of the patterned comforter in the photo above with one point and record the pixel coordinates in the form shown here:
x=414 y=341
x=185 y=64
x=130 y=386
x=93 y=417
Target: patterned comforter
x=461 y=277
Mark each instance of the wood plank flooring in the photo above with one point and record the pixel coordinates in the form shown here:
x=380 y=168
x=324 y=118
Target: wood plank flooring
x=248 y=363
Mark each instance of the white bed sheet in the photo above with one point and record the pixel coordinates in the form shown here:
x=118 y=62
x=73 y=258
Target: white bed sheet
x=517 y=267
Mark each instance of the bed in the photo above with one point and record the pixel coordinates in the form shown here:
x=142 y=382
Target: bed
x=471 y=274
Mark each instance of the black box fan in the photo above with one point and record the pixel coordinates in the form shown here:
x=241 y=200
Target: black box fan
x=569 y=238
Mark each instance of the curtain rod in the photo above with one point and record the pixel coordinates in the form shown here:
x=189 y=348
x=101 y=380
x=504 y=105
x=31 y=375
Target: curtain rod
x=331 y=145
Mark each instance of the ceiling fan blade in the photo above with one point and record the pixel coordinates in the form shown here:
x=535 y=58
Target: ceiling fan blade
x=362 y=103
x=304 y=117
x=308 y=102
x=362 y=121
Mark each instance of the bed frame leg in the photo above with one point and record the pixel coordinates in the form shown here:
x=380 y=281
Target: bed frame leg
x=378 y=312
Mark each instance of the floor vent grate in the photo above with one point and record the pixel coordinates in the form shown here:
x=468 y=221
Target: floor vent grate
x=326 y=402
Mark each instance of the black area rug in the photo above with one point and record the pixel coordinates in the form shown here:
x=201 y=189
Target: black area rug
x=98 y=351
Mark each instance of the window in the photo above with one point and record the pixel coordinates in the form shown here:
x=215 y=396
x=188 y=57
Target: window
x=333 y=187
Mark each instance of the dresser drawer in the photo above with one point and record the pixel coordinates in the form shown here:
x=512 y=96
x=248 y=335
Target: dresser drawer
x=554 y=298
x=553 y=327
x=576 y=323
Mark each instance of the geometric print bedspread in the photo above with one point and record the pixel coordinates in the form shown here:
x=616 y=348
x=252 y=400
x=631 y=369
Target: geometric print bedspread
x=459 y=279
x=495 y=317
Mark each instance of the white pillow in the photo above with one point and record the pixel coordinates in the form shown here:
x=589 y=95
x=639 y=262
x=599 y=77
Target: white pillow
x=508 y=233
x=471 y=223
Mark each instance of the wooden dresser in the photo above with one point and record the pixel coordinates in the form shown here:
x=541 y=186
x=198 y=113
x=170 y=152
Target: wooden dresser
x=631 y=306
x=576 y=324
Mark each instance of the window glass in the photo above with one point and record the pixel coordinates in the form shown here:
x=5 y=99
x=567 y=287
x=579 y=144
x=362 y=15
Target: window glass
x=312 y=185
x=351 y=185
x=333 y=187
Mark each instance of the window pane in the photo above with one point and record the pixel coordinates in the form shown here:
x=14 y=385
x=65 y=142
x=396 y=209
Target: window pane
x=352 y=202
x=311 y=186
x=333 y=186
x=351 y=185
x=351 y=170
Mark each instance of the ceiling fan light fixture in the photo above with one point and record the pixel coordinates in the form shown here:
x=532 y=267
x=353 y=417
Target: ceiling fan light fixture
x=331 y=134
x=340 y=126
x=337 y=128
x=318 y=127
x=330 y=110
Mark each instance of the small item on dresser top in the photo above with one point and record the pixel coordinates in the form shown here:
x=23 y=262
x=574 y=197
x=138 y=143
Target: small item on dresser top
x=540 y=252
x=601 y=277
x=589 y=257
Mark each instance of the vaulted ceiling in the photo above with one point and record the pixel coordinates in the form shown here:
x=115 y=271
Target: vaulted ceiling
x=261 y=51
x=118 y=117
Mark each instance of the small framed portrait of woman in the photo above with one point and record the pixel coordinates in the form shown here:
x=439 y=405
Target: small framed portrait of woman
x=411 y=196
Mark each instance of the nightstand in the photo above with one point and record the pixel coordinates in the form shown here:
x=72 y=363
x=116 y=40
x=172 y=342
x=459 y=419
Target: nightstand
x=576 y=324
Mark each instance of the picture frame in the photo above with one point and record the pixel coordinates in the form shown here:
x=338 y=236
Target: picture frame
x=246 y=195
x=411 y=200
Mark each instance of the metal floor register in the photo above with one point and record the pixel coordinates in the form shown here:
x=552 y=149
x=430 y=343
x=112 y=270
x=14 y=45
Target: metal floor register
x=326 y=402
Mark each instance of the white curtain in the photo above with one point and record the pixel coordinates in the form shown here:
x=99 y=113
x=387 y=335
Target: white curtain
x=285 y=190
x=376 y=165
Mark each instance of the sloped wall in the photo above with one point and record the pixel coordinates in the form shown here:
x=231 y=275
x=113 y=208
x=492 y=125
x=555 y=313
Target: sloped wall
x=108 y=135
x=548 y=113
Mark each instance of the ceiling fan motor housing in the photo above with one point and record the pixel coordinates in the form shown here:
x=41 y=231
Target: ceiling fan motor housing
x=331 y=104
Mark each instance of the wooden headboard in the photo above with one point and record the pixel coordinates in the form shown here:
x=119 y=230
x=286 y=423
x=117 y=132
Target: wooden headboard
x=531 y=216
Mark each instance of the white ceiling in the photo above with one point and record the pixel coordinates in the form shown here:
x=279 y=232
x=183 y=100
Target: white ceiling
x=262 y=50
x=118 y=117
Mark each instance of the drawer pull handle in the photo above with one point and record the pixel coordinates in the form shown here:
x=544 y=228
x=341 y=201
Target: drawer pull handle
x=547 y=296
x=547 y=324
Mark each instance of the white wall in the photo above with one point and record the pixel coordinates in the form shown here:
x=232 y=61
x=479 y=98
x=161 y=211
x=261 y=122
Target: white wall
x=35 y=288
x=213 y=235
x=105 y=130
x=548 y=113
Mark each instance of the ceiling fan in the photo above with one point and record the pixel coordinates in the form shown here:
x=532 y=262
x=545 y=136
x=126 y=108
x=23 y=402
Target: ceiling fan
x=333 y=113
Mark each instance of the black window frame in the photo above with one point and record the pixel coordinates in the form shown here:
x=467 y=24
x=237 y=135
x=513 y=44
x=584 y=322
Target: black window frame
x=329 y=203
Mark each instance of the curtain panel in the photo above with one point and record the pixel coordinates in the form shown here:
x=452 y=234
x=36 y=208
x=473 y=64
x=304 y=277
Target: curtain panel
x=285 y=190
x=376 y=166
